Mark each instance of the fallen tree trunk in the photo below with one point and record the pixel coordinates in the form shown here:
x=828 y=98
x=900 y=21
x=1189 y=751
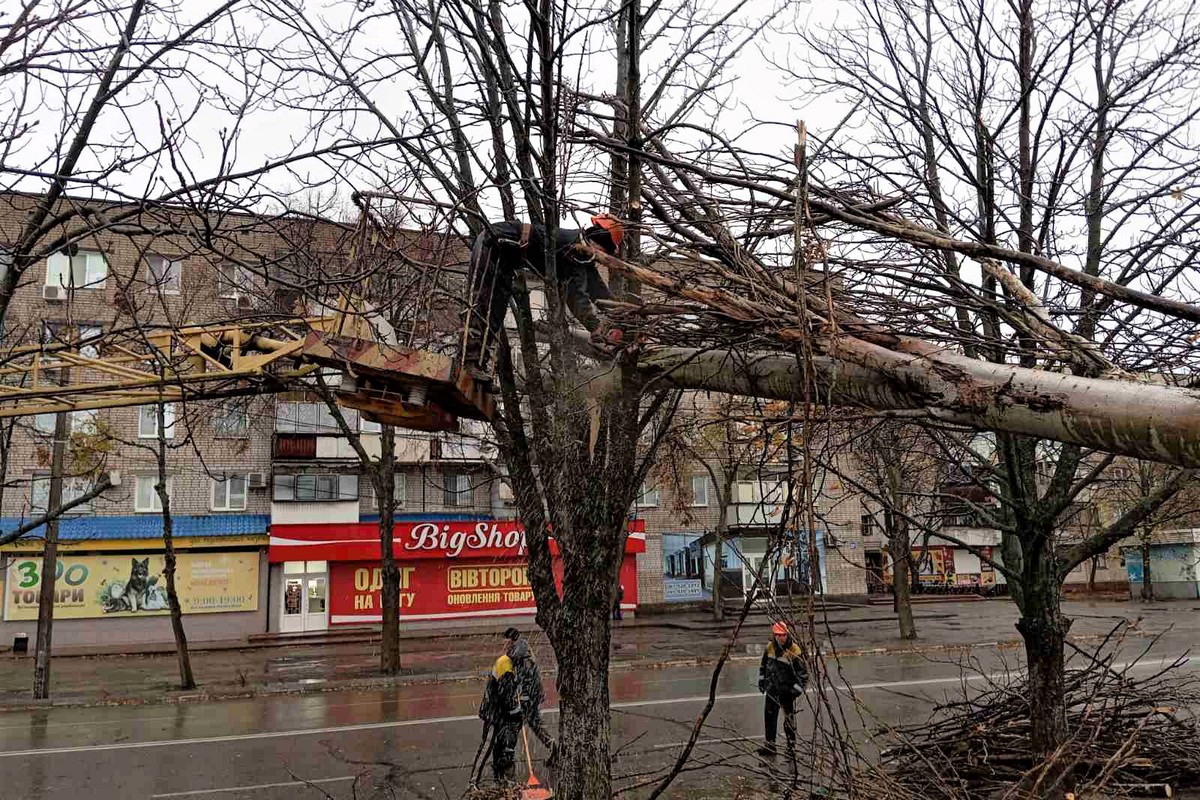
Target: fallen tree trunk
x=1141 y=420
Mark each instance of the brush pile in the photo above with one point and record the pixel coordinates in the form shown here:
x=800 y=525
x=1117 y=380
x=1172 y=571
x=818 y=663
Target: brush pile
x=1133 y=732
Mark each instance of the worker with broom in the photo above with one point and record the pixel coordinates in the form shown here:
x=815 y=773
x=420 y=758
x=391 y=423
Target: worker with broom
x=507 y=247
x=501 y=712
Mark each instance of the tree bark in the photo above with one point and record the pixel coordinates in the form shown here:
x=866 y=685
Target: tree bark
x=724 y=501
x=1140 y=420
x=45 y=626
x=584 y=723
x=389 y=651
x=899 y=547
x=186 y=678
x=718 y=555
x=1147 y=580
x=1044 y=630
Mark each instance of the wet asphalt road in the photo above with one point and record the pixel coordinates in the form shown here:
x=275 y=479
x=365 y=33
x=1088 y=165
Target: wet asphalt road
x=417 y=739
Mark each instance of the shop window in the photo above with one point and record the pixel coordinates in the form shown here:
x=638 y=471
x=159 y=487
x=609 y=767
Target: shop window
x=86 y=269
x=164 y=274
x=315 y=488
x=229 y=493
x=456 y=490
x=699 y=490
x=301 y=567
x=145 y=498
x=648 y=497
x=148 y=421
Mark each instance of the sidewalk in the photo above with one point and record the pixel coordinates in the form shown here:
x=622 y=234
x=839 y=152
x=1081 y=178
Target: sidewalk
x=349 y=659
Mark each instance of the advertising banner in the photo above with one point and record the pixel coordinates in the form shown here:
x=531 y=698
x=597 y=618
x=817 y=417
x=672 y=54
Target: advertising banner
x=433 y=590
x=435 y=539
x=132 y=584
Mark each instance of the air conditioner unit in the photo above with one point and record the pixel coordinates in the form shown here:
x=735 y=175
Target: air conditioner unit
x=52 y=292
x=258 y=480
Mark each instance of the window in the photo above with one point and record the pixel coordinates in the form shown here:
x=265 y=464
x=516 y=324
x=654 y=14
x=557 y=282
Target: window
x=456 y=489
x=648 y=498
x=148 y=421
x=235 y=283
x=165 y=274
x=868 y=524
x=311 y=418
x=60 y=333
x=79 y=422
x=86 y=269
x=314 y=488
x=699 y=490
x=400 y=491
x=229 y=493
x=72 y=489
x=232 y=420
x=368 y=426
x=145 y=498
x=90 y=335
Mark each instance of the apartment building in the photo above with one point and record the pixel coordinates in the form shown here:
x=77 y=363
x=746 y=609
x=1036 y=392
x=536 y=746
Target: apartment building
x=274 y=520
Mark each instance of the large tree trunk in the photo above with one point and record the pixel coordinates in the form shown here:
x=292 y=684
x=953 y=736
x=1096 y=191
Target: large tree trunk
x=1147 y=580
x=898 y=547
x=186 y=679
x=718 y=554
x=45 y=628
x=584 y=725
x=389 y=650
x=1044 y=631
x=1159 y=423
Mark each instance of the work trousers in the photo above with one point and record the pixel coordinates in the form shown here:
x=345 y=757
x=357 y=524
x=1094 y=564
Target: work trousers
x=504 y=750
x=533 y=718
x=771 y=718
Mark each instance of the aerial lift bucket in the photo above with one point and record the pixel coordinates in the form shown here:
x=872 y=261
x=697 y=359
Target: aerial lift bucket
x=392 y=384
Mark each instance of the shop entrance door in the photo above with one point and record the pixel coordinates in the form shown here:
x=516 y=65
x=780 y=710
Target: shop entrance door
x=305 y=597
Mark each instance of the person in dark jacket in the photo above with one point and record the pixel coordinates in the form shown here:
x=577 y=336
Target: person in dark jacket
x=782 y=678
x=501 y=709
x=507 y=247
x=529 y=680
x=616 y=615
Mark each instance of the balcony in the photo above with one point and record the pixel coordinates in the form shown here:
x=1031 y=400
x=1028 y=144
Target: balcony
x=299 y=447
x=754 y=514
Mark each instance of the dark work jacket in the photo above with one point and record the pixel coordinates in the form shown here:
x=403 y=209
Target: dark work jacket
x=501 y=702
x=529 y=676
x=506 y=237
x=782 y=669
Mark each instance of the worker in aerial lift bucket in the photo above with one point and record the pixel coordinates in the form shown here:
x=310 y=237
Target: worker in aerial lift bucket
x=510 y=246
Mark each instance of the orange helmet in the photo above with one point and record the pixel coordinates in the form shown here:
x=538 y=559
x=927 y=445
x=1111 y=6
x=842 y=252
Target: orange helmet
x=779 y=629
x=614 y=226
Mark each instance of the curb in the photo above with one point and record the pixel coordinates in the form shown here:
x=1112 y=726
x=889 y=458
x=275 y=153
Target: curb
x=321 y=686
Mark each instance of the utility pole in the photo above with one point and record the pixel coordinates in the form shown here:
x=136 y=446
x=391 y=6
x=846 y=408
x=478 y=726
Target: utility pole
x=45 y=624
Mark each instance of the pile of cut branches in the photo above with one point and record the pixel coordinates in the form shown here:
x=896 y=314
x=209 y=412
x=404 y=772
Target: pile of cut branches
x=1133 y=732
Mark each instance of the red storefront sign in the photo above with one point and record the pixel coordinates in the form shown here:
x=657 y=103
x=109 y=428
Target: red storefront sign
x=359 y=541
x=448 y=569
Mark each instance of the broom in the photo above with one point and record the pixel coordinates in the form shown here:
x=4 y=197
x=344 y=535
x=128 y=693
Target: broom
x=533 y=787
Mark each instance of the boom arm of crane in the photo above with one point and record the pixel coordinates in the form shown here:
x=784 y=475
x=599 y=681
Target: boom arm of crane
x=386 y=382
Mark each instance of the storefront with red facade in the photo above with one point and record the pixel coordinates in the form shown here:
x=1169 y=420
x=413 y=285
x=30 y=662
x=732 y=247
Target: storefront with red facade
x=449 y=570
